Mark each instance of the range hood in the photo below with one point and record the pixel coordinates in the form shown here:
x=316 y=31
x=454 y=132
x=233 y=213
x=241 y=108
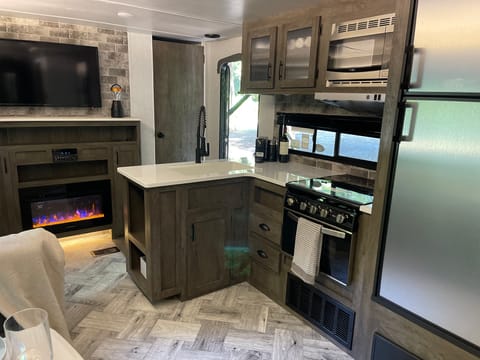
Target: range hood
x=370 y=103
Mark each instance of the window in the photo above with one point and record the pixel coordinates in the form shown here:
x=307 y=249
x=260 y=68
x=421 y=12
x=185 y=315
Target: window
x=238 y=114
x=351 y=140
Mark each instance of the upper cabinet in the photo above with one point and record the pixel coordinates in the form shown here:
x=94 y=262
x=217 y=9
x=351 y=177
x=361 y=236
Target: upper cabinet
x=301 y=52
x=297 y=49
x=259 y=58
x=281 y=55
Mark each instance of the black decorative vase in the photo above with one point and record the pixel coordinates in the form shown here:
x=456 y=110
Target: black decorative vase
x=117 y=109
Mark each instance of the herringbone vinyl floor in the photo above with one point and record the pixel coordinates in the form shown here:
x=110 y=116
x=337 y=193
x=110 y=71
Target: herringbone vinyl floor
x=110 y=319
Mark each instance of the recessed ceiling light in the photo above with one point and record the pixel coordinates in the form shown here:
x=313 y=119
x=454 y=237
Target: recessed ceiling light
x=124 y=14
x=212 y=36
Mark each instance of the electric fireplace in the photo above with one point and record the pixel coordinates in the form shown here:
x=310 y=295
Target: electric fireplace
x=67 y=207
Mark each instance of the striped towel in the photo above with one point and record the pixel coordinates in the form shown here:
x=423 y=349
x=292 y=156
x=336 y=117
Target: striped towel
x=308 y=247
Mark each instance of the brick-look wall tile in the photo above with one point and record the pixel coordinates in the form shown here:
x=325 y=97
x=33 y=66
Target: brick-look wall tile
x=112 y=55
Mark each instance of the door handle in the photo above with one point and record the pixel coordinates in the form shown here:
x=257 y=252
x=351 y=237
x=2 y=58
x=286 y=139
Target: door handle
x=264 y=227
x=160 y=135
x=406 y=125
x=415 y=67
x=262 y=254
x=269 y=71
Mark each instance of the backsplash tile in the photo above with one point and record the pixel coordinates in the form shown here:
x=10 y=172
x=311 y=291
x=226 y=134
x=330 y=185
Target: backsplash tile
x=112 y=54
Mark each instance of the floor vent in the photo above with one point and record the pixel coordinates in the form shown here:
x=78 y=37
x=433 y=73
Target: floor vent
x=106 y=251
x=321 y=310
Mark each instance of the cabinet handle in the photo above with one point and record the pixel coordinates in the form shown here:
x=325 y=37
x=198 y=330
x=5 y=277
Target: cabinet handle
x=160 y=135
x=264 y=227
x=269 y=71
x=5 y=166
x=262 y=254
x=280 y=71
x=193 y=232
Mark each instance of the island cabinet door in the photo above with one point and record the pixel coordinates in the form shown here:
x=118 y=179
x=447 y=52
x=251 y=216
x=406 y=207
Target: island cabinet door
x=206 y=236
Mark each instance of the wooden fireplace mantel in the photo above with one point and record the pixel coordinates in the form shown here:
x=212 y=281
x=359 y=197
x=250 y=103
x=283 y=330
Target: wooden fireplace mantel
x=27 y=148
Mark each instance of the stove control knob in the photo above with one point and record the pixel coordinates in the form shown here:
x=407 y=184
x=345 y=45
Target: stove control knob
x=323 y=213
x=290 y=201
x=312 y=209
x=340 y=218
x=303 y=205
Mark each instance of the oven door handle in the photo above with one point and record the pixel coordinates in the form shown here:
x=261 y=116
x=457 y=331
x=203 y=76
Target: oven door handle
x=293 y=217
x=335 y=233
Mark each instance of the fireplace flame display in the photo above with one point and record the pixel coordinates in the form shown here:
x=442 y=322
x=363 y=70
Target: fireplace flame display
x=69 y=210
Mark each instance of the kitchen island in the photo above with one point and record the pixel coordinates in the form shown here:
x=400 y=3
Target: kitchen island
x=189 y=227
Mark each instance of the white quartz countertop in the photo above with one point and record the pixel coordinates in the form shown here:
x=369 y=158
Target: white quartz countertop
x=150 y=176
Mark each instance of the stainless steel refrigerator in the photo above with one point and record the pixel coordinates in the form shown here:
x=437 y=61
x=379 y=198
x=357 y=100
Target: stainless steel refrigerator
x=431 y=257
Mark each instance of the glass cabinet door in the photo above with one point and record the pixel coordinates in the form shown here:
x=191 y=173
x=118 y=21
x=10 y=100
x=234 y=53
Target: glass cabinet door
x=298 y=54
x=259 y=67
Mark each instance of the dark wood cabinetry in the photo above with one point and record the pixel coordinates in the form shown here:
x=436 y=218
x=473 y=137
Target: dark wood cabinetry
x=192 y=239
x=153 y=240
x=6 y=211
x=123 y=155
x=281 y=55
x=270 y=265
x=207 y=234
x=31 y=156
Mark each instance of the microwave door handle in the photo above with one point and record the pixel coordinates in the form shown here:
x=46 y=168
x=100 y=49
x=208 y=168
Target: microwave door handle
x=334 y=233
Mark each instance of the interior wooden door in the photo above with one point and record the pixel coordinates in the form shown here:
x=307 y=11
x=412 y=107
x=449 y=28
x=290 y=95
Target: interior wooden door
x=178 y=94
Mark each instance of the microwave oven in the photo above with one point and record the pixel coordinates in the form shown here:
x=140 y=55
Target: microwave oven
x=359 y=52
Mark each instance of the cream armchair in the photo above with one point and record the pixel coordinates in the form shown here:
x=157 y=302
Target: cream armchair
x=32 y=275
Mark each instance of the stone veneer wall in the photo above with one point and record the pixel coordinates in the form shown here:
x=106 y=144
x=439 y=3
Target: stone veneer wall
x=112 y=53
x=306 y=104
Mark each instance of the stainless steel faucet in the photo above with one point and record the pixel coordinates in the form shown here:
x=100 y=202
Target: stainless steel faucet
x=203 y=148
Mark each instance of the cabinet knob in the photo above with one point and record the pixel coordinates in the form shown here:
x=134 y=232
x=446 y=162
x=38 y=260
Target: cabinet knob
x=264 y=227
x=262 y=254
x=160 y=135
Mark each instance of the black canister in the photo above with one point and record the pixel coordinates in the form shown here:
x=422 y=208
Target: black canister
x=272 y=150
x=261 y=149
x=117 y=109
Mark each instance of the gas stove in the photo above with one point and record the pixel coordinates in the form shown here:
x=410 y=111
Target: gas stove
x=334 y=200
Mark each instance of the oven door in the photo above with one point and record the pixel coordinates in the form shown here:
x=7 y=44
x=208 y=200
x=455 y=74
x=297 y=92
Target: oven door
x=289 y=231
x=336 y=259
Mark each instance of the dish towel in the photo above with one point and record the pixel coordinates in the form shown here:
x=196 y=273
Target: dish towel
x=308 y=247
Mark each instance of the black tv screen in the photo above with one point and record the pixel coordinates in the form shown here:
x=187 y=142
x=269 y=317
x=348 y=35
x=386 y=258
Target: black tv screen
x=47 y=74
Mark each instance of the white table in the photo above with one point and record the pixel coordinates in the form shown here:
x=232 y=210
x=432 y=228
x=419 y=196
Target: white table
x=62 y=350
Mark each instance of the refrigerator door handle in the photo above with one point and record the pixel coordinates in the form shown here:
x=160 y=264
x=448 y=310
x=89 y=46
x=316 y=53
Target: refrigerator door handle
x=408 y=122
x=415 y=67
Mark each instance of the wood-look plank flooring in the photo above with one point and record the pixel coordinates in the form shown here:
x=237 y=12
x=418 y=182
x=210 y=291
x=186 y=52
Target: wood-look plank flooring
x=109 y=318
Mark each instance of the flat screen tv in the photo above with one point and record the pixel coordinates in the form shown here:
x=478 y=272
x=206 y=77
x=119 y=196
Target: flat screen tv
x=47 y=74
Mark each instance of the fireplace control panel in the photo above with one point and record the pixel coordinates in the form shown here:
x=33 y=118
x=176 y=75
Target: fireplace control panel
x=64 y=155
